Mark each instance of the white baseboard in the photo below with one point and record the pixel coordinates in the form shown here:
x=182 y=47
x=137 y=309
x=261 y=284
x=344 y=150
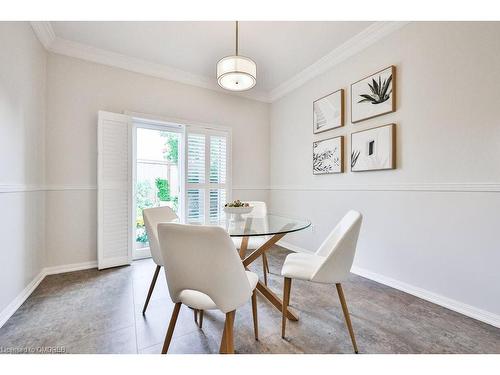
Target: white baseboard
x=12 y=307
x=292 y=247
x=460 y=307
x=70 y=267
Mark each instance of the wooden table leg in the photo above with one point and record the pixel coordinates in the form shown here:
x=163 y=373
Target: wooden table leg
x=264 y=289
x=243 y=247
x=274 y=299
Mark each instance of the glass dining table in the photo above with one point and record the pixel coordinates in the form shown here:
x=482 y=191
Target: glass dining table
x=272 y=228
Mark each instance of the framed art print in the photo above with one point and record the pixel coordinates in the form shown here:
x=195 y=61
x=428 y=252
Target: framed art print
x=328 y=156
x=328 y=112
x=374 y=95
x=374 y=149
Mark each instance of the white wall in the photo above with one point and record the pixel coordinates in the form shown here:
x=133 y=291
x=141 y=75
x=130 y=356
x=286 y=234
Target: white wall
x=416 y=232
x=77 y=90
x=448 y=138
x=22 y=163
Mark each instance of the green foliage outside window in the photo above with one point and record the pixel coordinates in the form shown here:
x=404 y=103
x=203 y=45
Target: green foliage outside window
x=163 y=189
x=142 y=236
x=144 y=189
x=171 y=152
x=143 y=197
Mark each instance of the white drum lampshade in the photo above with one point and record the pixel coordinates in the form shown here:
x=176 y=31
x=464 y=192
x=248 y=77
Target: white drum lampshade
x=236 y=73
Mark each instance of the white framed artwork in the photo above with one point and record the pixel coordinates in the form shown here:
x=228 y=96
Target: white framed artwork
x=374 y=149
x=328 y=156
x=328 y=112
x=374 y=95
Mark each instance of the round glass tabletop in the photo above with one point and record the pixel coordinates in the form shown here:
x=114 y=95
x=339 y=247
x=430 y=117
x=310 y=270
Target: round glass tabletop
x=248 y=225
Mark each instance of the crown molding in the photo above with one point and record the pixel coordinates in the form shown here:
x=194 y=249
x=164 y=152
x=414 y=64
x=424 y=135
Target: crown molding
x=356 y=44
x=44 y=32
x=52 y=43
x=104 y=57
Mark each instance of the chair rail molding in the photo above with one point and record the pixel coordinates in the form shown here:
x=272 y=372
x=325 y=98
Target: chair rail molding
x=70 y=187
x=249 y=187
x=24 y=188
x=20 y=188
x=486 y=187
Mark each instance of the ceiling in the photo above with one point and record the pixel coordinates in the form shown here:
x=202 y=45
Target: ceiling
x=188 y=51
x=280 y=49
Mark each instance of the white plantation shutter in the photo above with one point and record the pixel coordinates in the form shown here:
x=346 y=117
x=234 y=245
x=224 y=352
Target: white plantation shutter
x=196 y=159
x=217 y=202
x=218 y=159
x=195 y=206
x=114 y=195
x=207 y=183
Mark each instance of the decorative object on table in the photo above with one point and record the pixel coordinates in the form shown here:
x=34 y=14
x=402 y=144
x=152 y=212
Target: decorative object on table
x=328 y=156
x=328 y=112
x=374 y=95
x=374 y=149
x=237 y=208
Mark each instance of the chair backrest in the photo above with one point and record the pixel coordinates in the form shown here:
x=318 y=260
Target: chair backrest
x=203 y=258
x=259 y=208
x=339 y=249
x=152 y=217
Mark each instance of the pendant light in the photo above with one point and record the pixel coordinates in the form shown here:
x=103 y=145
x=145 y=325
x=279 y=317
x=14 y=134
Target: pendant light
x=236 y=73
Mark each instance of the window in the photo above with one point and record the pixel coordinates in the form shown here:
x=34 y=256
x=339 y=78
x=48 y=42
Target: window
x=207 y=184
x=157 y=174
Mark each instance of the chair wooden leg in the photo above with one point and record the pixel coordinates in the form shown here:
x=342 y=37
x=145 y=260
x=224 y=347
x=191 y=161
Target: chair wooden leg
x=201 y=319
x=223 y=349
x=254 y=312
x=151 y=287
x=286 y=300
x=264 y=269
x=171 y=326
x=229 y=325
x=346 y=316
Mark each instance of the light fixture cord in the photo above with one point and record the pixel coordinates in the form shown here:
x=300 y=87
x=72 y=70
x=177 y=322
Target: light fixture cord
x=236 y=38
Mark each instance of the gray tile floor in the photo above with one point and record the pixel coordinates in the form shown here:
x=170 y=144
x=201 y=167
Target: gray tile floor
x=100 y=312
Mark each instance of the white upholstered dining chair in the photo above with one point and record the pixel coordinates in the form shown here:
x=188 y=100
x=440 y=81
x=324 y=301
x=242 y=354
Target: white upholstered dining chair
x=253 y=242
x=205 y=273
x=152 y=217
x=329 y=265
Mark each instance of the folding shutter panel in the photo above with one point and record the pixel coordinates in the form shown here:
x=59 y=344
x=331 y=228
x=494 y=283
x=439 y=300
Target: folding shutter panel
x=114 y=195
x=196 y=163
x=207 y=176
x=218 y=177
